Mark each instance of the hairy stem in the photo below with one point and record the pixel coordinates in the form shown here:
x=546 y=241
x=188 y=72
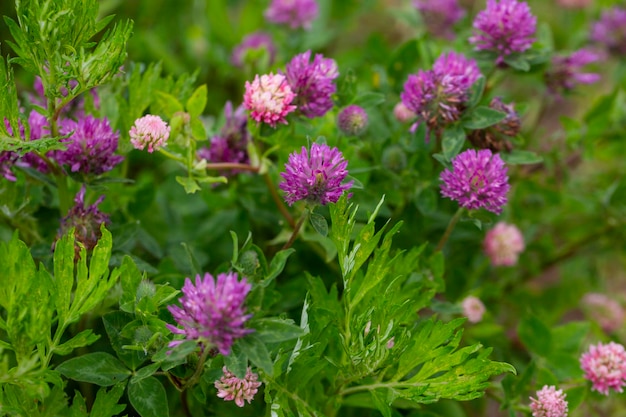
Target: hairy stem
x=453 y=221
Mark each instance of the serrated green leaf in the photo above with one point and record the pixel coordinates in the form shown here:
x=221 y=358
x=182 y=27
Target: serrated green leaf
x=274 y=330
x=189 y=184
x=98 y=368
x=84 y=338
x=64 y=274
x=106 y=404
x=148 y=397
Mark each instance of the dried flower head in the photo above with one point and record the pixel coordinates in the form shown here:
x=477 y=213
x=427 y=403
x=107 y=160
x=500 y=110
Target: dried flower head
x=504 y=27
x=565 y=72
x=503 y=244
x=316 y=178
x=610 y=31
x=352 y=120
x=312 y=82
x=268 y=98
x=251 y=47
x=86 y=221
x=473 y=308
x=213 y=311
x=295 y=13
x=550 y=402
x=478 y=180
x=150 y=131
x=439 y=16
x=230 y=388
x=605 y=366
x=607 y=312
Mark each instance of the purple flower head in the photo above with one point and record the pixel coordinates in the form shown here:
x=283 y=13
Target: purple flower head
x=256 y=41
x=85 y=220
x=312 y=82
x=504 y=27
x=610 y=31
x=550 y=402
x=478 y=180
x=150 y=131
x=440 y=15
x=90 y=147
x=295 y=13
x=605 y=366
x=38 y=129
x=315 y=178
x=230 y=388
x=352 y=120
x=213 y=311
x=268 y=98
x=463 y=70
x=566 y=73
x=605 y=311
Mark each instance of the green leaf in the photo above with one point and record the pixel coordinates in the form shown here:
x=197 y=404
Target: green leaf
x=189 y=184
x=319 y=223
x=148 y=397
x=114 y=322
x=519 y=157
x=64 y=274
x=274 y=330
x=197 y=130
x=167 y=104
x=535 y=335
x=197 y=101
x=476 y=92
x=254 y=348
x=106 y=404
x=84 y=338
x=171 y=357
x=453 y=141
x=518 y=62
x=369 y=99
x=98 y=368
x=482 y=117
x=145 y=372
x=277 y=265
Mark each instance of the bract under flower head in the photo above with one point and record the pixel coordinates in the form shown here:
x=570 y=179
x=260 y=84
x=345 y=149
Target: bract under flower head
x=312 y=82
x=150 y=131
x=213 y=311
x=605 y=366
x=230 y=388
x=440 y=15
x=550 y=402
x=316 y=178
x=610 y=31
x=478 y=180
x=294 y=13
x=268 y=98
x=504 y=27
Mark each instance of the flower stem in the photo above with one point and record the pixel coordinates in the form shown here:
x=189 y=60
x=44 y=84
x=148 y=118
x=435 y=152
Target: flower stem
x=296 y=229
x=64 y=194
x=449 y=229
x=231 y=165
x=279 y=203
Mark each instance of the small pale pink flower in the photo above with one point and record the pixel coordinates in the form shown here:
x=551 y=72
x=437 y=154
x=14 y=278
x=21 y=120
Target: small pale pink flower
x=550 y=402
x=503 y=244
x=473 y=309
x=402 y=113
x=268 y=98
x=607 y=312
x=605 y=366
x=150 y=131
x=230 y=388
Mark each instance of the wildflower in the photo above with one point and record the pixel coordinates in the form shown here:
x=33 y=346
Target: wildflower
x=7 y=161
x=566 y=73
x=504 y=27
x=212 y=311
x=295 y=13
x=402 y=113
x=90 y=146
x=495 y=137
x=86 y=221
x=607 y=312
x=230 y=388
x=610 y=31
x=352 y=120
x=268 y=98
x=315 y=178
x=605 y=367
x=257 y=41
x=150 y=131
x=503 y=244
x=550 y=402
x=312 y=82
x=478 y=180
x=390 y=343
x=439 y=16
x=473 y=308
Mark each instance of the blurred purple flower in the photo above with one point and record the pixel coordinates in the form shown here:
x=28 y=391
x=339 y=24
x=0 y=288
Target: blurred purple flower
x=605 y=366
x=213 y=311
x=295 y=13
x=504 y=27
x=605 y=311
x=610 y=31
x=565 y=72
x=503 y=244
x=85 y=220
x=550 y=402
x=315 y=178
x=478 y=180
x=268 y=98
x=254 y=42
x=440 y=15
x=230 y=388
x=312 y=82
x=352 y=120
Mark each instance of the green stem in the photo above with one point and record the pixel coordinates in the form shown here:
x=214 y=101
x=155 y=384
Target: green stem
x=173 y=157
x=296 y=229
x=279 y=203
x=199 y=368
x=449 y=229
x=231 y=165
x=64 y=194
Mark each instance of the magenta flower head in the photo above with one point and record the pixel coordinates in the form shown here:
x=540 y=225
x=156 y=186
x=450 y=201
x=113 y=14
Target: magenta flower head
x=478 y=180
x=550 y=402
x=251 y=48
x=312 y=82
x=605 y=366
x=316 y=178
x=230 y=145
x=212 y=312
x=610 y=31
x=605 y=311
x=268 y=99
x=503 y=244
x=473 y=308
x=566 y=72
x=440 y=15
x=90 y=146
x=352 y=120
x=504 y=27
x=294 y=13
x=230 y=388
x=150 y=131
x=85 y=220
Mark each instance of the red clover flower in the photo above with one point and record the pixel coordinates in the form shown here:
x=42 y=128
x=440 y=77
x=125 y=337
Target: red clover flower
x=230 y=388
x=605 y=311
x=440 y=15
x=352 y=120
x=610 y=31
x=565 y=72
x=503 y=244
x=473 y=308
x=295 y=13
x=150 y=131
x=550 y=402
x=605 y=366
x=268 y=98
x=253 y=42
x=230 y=145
